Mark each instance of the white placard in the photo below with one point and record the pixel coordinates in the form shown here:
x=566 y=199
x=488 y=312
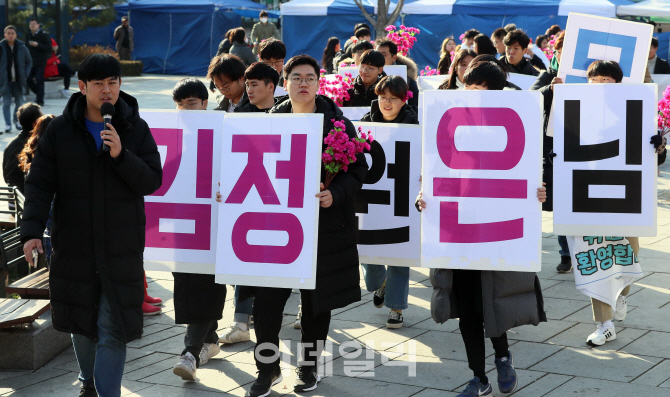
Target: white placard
x=280 y=91
x=182 y=215
x=589 y=38
x=482 y=209
x=269 y=180
x=431 y=82
x=524 y=81
x=388 y=223
x=355 y=113
x=390 y=70
x=592 y=126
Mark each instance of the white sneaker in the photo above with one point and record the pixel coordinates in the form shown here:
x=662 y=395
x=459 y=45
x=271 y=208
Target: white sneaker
x=298 y=318
x=208 y=351
x=185 y=367
x=621 y=308
x=66 y=93
x=234 y=334
x=601 y=335
x=8 y=128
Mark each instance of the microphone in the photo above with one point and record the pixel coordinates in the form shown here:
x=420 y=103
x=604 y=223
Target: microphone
x=106 y=111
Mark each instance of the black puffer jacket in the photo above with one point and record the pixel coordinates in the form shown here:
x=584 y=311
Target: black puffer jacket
x=197 y=298
x=42 y=52
x=337 y=276
x=98 y=217
x=523 y=67
x=359 y=95
x=407 y=115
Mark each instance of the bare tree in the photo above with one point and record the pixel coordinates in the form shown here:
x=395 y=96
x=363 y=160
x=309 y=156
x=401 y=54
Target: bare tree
x=383 y=17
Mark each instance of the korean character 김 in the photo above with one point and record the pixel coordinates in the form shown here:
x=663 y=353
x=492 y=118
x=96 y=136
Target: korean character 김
x=604 y=255
x=587 y=262
x=623 y=254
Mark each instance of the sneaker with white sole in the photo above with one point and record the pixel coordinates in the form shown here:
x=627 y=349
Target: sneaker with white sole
x=208 y=351
x=66 y=93
x=601 y=335
x=378 y=298
x=475 y=388
x=185 y=367
x=306 y=379
x=621 y=308
x=395 y=320
x=234 y=334
x=266 y=379
x=298 y=318
x=8 y=128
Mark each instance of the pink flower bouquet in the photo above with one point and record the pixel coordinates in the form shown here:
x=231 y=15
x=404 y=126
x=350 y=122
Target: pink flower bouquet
x=335 y=89
x=403 y=38
x=664 y=113
x=342 y=150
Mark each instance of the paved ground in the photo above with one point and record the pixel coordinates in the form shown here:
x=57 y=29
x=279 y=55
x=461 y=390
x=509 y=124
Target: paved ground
x=552 y=359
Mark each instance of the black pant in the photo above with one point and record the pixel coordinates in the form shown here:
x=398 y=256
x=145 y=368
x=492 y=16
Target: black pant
x=268 y=313
x=66 y=71
x=36 y=83
x=468 y=293
x=197 y=335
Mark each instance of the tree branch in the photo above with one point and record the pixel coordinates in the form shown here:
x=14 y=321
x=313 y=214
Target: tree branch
x=396 y=12
x=367 y=16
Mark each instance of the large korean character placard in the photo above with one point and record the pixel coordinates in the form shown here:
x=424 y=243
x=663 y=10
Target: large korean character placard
x=181 y=215
x=589 y=38
x=389 y=226
x=481 y=171
x=605 y=168
x=268 y=220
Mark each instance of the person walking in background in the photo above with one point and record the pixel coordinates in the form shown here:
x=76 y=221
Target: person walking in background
x=241 y=48
x=656 y=65
x=57 y=68
x=448 y=46
x=332 y=48
x=125 y=40
x=262 y=30
x=483 y=45
x=225 y=44
x=39 y=45
x=15 y=67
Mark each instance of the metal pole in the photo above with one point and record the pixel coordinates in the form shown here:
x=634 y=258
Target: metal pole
x=64 y=36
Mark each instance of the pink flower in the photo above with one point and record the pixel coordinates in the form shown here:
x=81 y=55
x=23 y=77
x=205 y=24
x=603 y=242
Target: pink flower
x=462 y=37
x=390 y=28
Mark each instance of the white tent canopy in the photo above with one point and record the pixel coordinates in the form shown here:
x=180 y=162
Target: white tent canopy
x=648 y=8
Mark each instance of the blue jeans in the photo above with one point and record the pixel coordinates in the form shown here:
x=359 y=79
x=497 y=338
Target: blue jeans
x=102 y=362
x=12 y=90
x=243 y=309
x=563 y=242
x=397 y=283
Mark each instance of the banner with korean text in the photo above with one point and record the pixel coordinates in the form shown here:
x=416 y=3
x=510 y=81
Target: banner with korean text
x=605 y=167
x=388 y=223
x=180 y=228
x=481 y=171
x=268 y=218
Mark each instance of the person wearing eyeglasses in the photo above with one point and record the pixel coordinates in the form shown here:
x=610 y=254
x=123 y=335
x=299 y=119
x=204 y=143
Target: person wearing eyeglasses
x=273 y=53
x=370 y=72
x=227 y=73
x=391 y=104
x=545 y=84
x=337 y=276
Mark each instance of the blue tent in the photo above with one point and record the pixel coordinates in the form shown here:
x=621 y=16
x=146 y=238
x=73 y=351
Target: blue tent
x=305 y=21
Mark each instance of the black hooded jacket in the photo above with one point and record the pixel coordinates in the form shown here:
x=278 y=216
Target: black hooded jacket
x=337 y=276
x=98 y=219
x=523 y=67
x=407 y=115
x=359 y=95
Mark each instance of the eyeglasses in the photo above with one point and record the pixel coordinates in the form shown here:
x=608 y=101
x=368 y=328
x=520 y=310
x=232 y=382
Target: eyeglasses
x=277 y=63
x=225 y=87
x=391 y=100
x=188 y=106
x=298 y=80
x=367 y=69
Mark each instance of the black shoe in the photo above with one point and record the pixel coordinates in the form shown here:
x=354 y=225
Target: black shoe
x=266 y=379
x=565 y=266
x=395 y=320
x=378 y=298
x=306 y=380
x=88 y=391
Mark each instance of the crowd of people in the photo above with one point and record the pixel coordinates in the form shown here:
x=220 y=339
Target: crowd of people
x=96 y=272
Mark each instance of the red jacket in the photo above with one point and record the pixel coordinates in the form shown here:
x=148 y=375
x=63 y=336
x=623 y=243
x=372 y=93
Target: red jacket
x=52 y=64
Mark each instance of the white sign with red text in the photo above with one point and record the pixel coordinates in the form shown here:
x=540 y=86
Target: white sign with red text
x=181 y=215
x=268 y=220
x=481 y=171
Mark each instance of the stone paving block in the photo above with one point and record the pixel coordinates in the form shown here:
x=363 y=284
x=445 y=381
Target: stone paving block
x=431 y=372
x=596 y=387
x=541 y=386
x=435 y=393
x=527 y=354
x=656 y=344
x=170 y=391
x=576 y=337
x=13 y=374
x=28 y=379
x=430 y=325
x=655 y=376
x=446 y=345
x=565 y=290
x=390 y=339
x=68 y=385
x=655 y=291
x=649 y=318
x=655 y=265
x=357 y=387
x=340 y=330
x=558 y=309
x=157 y=337
x=539 y=333
x=525 y=378
x=153 y=275
x=592 y=363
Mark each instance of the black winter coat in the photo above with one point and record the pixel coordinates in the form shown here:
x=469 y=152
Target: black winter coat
x=13 y=175
x=543 y=84
x=359 y=95
x=224 y=47
x=662 y=67
x=225 y=102
x=337 y=276
x=98 y=218
x=537 y=62
x=197 y=298
x=523 y=67
x=407 y=115
x=42 y=52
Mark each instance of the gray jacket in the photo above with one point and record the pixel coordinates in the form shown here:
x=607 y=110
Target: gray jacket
x=509 y=299
x=244 y=52
x=25 y=62
x=119 y=34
